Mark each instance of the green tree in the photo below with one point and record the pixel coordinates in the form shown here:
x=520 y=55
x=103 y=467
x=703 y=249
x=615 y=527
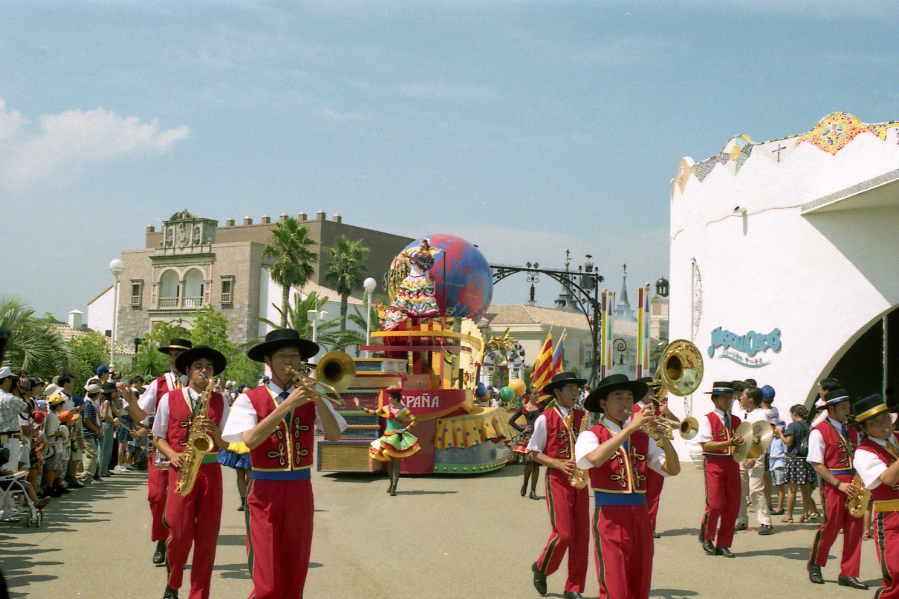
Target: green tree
x=211 y=328
x=293 y=259
x=148 y=361
x=88 y=351
x=327 y=337
x=346 y=271
x=33 y=344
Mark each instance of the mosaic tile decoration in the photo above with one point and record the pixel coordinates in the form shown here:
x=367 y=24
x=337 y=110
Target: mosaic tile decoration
x=831 y=134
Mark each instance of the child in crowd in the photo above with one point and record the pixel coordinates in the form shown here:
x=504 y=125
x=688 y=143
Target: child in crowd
x=777 y=466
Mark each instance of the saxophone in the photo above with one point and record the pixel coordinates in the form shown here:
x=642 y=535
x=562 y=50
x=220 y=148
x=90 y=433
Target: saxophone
x=578 y=477
x=199 y=443
x=858 y=500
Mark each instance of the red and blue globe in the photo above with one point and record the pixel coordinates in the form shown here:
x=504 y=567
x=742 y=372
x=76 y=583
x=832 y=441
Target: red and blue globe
x=461 y=275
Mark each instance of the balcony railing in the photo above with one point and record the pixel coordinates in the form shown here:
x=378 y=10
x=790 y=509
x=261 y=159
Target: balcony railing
x=178 y=302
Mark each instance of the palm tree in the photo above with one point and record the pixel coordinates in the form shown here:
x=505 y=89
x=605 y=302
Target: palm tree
x=33 y=344
x=346 y=271
x=293 y=259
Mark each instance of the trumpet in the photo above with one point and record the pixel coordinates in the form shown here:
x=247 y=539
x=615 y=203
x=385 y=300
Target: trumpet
x=659 y=426
x=335 y=372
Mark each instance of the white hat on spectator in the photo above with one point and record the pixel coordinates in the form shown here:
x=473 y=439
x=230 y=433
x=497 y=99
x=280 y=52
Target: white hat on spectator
x=93 y=388
x=51 y=389
x=5 y=373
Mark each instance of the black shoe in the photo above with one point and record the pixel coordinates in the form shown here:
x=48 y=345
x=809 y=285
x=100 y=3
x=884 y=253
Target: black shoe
x=814 y=574
x=159 y=556
x=242 y=506
x=725 y=551
x=740 y=526
x=524 y=489
x=656 y=535
x=709 y=548
x=533 y=495
x=170 y=593
x=852 y=582
x=539 y=579
x=777 y=513
x=572 y=595
x=766 y=529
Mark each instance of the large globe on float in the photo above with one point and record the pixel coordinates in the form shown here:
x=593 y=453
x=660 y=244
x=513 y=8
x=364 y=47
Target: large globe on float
x=461 y=275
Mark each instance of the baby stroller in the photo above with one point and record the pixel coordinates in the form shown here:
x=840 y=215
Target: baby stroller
x=12 y=492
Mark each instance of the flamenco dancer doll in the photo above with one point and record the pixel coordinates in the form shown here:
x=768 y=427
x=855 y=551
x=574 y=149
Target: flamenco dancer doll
x=397 y=443
x=530 y=409
x=415 y=295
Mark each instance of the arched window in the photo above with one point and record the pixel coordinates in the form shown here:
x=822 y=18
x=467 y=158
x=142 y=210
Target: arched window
x=169 y=289
x=193 y=289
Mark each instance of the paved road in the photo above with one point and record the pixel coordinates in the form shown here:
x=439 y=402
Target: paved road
x=442 y=537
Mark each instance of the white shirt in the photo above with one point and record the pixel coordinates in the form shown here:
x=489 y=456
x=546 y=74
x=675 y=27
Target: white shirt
x=757 y=415
x=149 y=400
x=587 y=441
x=244 y=418
x=538 y=437
x=869 y=466
x=161 y=424
x=705 y=428
x=816 y=443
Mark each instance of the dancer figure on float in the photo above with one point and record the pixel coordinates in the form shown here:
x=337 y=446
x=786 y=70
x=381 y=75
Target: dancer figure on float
x=415 y=295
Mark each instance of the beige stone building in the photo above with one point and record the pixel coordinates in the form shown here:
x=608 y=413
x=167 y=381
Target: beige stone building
x=192 y=262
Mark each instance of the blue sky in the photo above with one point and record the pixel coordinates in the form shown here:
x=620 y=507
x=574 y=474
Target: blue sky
x=528 y=128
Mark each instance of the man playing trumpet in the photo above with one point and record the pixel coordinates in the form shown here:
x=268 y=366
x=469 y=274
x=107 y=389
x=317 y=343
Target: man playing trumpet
x=277 y=422
x=619 y=455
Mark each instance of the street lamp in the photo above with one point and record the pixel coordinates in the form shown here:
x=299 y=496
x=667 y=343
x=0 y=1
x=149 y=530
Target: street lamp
x=116 y=267
x=369 y=285
x=315 y=316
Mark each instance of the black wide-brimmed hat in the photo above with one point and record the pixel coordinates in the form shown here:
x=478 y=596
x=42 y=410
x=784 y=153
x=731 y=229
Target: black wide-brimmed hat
x=182 y=344
x=721 y=388
x=183 y=362
x=282 y=338
x=837 y=396
x=614 y=382
x=560 y=380
x=868 y=407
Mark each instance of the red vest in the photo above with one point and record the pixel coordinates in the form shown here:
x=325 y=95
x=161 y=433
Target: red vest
x=558 y=440
x=181 y=416
x=720 y=433
x=837 y=450
x=290 y=446
x=881 y=492
x=622 y=473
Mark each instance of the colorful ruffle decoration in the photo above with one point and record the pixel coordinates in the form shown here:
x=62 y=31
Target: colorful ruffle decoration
x=482 y=424
x=395 y=446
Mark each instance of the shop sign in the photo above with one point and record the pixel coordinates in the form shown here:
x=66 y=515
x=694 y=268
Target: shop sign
x=745 y=349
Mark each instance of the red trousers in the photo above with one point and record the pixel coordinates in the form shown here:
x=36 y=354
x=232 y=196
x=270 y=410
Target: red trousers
x=158 y=483
x=837 y=517
x=622 y=535
x=654 y=482
x=722 y=500
x=194 y=520
x=887 y=526
x=569 y=514
x=280 y=537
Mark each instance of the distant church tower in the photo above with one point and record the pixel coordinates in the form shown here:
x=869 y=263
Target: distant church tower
x=623 y=310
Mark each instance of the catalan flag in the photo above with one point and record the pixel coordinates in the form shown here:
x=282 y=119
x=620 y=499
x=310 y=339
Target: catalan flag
x=558 y=359
x=542 y=372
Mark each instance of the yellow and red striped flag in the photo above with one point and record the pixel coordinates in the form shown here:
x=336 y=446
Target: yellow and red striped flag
x=542 y=372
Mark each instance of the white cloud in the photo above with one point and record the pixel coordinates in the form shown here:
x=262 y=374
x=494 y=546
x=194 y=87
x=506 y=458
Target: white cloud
x=332 y=114
x=73 y=138
x=448 y=92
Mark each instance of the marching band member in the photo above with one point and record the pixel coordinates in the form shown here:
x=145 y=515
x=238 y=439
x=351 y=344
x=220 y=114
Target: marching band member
x=195 y=518
x=619 y=456
x=831 y=446
x=877 y=464
x=277 y=422
x=654 y=480
x=552 y=445
x=157 y=469
x=722 y=473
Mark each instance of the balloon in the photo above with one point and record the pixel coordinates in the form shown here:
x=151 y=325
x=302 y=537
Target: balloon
x=481 y=390
x=506 y=394
x=518 y=387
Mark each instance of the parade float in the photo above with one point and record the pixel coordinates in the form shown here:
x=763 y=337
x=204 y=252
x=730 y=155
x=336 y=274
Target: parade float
x=431 y=348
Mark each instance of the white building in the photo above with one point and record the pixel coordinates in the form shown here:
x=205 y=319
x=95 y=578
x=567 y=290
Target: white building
x=783 y=257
